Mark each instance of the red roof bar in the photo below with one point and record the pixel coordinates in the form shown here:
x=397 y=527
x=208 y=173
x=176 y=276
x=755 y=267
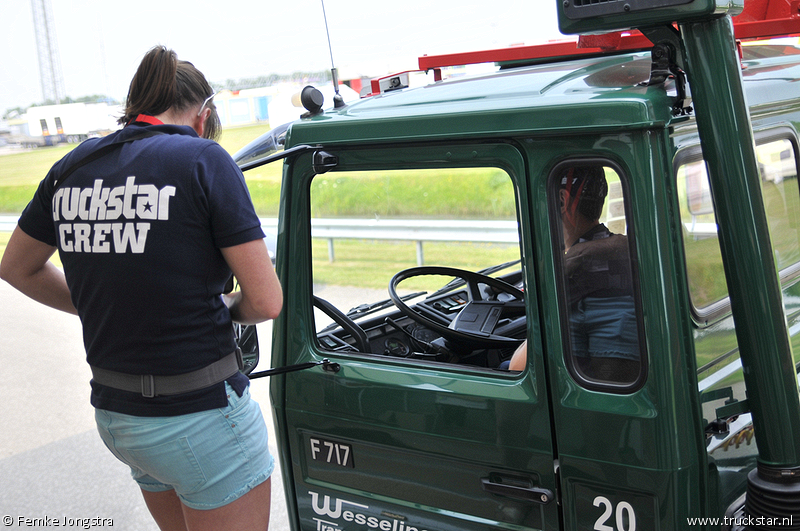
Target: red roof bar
x=632 y=40
x=519 y=53
x=767 y=28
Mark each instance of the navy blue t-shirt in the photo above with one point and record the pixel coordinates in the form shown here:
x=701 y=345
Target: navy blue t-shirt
x=139 y=233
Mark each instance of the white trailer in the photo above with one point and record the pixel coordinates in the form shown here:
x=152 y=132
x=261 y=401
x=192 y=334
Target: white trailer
x=73 y=122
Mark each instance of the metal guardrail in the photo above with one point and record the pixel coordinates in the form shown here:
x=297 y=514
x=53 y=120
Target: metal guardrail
x=7 y=223
x=415 y=230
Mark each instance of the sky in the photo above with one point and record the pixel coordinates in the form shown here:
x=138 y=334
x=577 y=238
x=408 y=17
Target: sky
x=101 y=42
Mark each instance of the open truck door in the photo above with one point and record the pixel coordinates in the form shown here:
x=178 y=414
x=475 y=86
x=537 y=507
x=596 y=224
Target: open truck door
x=418 y=405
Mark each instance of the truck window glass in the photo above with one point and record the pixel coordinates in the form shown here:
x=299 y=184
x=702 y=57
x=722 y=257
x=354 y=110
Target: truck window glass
x=779 y=188
x=592 y=242
x=368 y=226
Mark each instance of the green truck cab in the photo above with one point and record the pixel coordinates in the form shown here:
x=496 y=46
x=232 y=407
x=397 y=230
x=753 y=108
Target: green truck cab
x=409 y=419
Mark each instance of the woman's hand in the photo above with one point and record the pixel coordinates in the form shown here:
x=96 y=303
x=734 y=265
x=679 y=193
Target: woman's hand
x=260 y=297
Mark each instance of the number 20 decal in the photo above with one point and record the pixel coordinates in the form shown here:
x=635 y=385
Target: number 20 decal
x=623 y=509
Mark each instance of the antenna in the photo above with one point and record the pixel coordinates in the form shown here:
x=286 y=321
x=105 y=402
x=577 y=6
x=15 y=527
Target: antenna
x=338 y=100
x=50 y=74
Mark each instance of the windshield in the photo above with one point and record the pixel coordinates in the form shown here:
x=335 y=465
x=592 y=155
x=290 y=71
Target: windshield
x=265 y=145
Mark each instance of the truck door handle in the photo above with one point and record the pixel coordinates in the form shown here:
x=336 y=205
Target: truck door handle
x=532 y=494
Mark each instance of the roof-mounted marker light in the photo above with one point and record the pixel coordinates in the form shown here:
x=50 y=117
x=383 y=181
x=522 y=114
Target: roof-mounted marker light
x=391 y=82
x=310 y=98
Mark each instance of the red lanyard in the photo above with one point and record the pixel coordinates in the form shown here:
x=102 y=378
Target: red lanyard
x=146 y=119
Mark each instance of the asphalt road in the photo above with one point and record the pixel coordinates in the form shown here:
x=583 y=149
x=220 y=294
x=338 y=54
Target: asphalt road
x=53 y=465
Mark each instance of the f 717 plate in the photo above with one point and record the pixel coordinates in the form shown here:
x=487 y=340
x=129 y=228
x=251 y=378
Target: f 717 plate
x=330 y=452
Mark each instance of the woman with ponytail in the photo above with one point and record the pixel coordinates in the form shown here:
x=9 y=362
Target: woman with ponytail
x=150 y=223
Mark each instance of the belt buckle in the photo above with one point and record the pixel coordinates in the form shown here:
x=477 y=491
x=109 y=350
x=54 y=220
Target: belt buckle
x=148 y=386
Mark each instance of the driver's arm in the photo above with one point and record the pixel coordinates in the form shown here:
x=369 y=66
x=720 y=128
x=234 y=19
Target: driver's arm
x=520 y=357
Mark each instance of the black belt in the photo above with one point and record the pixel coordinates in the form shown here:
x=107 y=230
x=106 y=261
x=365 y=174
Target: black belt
x=151 y=385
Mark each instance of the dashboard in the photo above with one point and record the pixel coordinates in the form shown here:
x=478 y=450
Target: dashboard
x=428 y=329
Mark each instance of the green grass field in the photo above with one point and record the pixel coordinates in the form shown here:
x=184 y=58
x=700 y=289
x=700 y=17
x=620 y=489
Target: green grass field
x=20 y=173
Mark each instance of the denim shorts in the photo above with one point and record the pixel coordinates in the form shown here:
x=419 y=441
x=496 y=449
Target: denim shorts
x=209 y=458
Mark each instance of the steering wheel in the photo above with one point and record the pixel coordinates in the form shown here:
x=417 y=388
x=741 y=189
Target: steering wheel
x=476 y=322
x=347 y=324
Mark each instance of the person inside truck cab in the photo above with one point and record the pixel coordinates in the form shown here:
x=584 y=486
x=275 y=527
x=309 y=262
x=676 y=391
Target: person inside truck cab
x=597 y=281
